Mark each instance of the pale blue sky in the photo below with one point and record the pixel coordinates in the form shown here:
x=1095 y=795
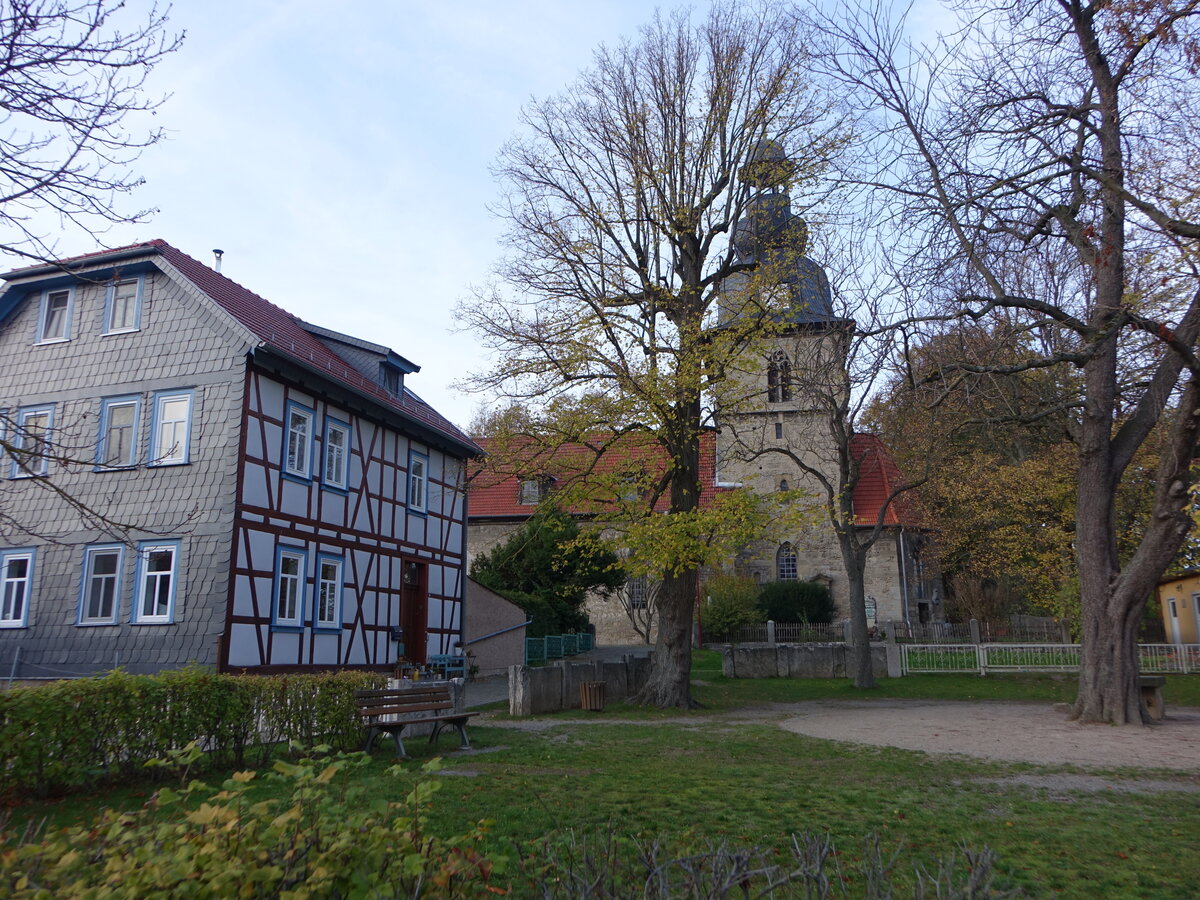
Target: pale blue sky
x=338 y=153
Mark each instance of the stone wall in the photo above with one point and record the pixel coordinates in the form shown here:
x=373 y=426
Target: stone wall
x=804 y=661
x=536 y=690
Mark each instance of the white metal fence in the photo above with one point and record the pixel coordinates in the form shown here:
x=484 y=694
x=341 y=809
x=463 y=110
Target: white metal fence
x=983 y=658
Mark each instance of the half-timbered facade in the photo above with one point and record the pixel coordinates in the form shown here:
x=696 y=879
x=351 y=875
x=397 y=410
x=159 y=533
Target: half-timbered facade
x=214 y=480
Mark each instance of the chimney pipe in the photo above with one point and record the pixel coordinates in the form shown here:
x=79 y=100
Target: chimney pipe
x=218 y=254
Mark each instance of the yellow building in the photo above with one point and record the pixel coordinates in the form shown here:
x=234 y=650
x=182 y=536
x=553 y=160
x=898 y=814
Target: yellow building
x=1179 y=599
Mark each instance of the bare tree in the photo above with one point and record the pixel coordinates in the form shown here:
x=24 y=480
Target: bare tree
x=72 y=80
x=32 y=451
x=622 y=195
x=1061 y=130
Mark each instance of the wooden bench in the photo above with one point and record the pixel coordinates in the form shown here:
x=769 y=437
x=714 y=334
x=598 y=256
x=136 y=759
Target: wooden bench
x=453 y=666
x=394 y=709
x=1152 y=695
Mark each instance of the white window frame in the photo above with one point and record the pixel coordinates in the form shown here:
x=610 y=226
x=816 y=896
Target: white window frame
x=7 y=617
x=333 y=586
x=90 y=554
x=296 y=581
x=418 y=483
x=44 y=313
x=787 y=555
x=638 y=591
x=40 y=459
x=106 y=407
x=110 y=305
x=328 y=449
x=296 y=438
x=181 y=449
x=145 y=550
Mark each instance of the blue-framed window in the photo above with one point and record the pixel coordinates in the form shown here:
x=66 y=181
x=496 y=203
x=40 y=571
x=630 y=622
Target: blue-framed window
x=171 y=428
x=298 y=440
x=117 y=447
x=291 y=567
x=157 y=583
x=123 y=306
x=418 y=481
x=100 y=587
x=16 y=586
x=31 y=441
x=335 y=463
x=54 y=316
x=327 y=609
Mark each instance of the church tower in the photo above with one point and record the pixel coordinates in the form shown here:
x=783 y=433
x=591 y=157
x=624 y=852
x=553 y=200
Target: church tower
x=791 y=389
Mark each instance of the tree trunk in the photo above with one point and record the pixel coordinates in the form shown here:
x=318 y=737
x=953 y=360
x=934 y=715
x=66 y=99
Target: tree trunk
x=860 y=642
x=1108 y=672
x=671 y=664
x=669 y=684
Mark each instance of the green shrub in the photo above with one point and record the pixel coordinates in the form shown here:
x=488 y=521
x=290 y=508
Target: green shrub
x=68 y=734
x=731 y=603
x=797 y=601
x=326 y=837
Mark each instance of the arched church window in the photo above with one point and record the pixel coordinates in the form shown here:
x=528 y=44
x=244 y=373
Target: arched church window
x=779 y=378
x=785 y=562
x=783 y=484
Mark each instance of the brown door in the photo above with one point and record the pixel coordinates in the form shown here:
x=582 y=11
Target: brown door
x=414 y=610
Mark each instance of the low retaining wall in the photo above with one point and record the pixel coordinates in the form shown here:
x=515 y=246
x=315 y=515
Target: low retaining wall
x=803 y=661
x=543 y=689
x=458 y=696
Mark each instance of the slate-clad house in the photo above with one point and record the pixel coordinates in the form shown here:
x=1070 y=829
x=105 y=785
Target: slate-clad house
x=291 y=501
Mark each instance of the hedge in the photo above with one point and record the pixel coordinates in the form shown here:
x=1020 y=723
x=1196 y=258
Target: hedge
x=68 y=734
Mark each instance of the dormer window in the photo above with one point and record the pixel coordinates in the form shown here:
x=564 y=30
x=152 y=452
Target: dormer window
x=534 y=490
x=391 y=378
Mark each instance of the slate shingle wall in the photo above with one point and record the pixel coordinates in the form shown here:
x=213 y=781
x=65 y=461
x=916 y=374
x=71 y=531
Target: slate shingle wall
x=183 y=343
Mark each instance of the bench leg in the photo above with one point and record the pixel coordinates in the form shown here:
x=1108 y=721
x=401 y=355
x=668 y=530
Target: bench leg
x=461 y=725
x=464 y=744
x=1153 y=698
x=374 y=730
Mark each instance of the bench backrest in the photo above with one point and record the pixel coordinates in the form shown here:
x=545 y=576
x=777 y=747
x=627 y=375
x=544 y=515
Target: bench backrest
x=403 y=701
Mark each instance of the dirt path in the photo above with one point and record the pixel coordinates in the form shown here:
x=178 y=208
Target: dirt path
x=1037 y=733
x=1016 y=732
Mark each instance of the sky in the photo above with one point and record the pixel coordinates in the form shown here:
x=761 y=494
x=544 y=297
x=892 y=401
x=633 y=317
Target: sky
x=339 y=154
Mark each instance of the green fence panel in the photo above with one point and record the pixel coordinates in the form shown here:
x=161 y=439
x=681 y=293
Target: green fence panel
x=554 y=646
x=535 y=650
x=570 y=644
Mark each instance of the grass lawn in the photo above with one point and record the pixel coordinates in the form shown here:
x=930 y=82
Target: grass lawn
x=706 y=777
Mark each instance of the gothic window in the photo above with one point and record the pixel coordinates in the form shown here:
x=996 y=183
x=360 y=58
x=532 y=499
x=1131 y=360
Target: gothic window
x=785 y=562
x=783 y=484
x=779 y=378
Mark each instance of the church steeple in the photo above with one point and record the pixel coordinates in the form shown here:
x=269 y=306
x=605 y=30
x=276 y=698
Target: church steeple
x=771 y=236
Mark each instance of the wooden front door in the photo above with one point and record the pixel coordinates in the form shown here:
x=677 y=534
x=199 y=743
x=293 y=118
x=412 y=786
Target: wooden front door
x=414 y=611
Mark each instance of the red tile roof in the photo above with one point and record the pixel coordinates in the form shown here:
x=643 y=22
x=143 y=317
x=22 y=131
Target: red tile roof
x=878 y=476
x=283 y=332
x=495 y=495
